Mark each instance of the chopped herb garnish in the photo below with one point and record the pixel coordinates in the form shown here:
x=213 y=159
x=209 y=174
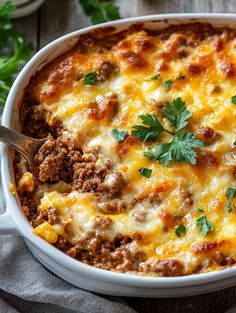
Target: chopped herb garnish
x=179 y=149
x=181 y=229
x=168 y=84
x=119 y=136
x=230 y=194
x=154 y=77
x=180 y=78
x=91 y=79
x=233 y=100
x=145 y=172
x=234 y=143
x=100 y=11
x=150 y=131
x=177 y=217
x=200 y=211
x=204 y=225
x=177 y=113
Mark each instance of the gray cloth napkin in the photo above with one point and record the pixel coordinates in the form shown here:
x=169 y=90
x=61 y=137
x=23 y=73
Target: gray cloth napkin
x=27 y=287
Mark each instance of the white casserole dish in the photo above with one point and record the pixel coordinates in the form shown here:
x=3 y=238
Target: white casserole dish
x=75 y=272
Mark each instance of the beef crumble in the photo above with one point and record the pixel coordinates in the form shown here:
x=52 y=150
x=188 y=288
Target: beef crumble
x=86 y=171
x=98 y=250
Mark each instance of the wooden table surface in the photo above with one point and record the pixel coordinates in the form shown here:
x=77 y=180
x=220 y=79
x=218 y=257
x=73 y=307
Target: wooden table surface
x=58 y=17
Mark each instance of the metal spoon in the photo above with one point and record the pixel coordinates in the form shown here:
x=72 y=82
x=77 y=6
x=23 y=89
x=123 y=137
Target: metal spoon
x=25 y=145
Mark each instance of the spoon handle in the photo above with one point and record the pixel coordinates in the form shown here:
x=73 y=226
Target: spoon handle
x=27 y=146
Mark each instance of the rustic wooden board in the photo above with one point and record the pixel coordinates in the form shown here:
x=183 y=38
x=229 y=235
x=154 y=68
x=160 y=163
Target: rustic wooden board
x=29 y=25
x=58 y=17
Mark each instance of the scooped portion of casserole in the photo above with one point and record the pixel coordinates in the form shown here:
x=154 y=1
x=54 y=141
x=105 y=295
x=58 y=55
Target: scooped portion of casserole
x=138 y=172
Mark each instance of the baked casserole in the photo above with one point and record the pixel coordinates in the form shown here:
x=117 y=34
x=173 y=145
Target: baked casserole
x=138 y=171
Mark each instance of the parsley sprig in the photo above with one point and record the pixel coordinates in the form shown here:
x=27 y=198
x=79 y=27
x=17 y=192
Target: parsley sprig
x=154 y=77
x=168 y=83
x=180 y=148
x=181 y=229
x=100 y=11
x=177 y=114
x=233 y=99
x=119 y=135
x=91 y=78
x=13 y=50
x=204 y=225
x=146 y=172
x=150 y=130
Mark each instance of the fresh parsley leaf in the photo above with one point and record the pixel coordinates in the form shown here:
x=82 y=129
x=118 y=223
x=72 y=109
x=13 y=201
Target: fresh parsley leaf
x=181 y=229
x=100 y=11
x=145 y=172
x=149 y=132
x=150 y=153
x=204 y=225
x=234 y=143
x=179 y=149
x=180 y=77
x=233 y=99
x=177 y=113
x=13 y=50
x=230 y=194
x=5 y=9
x=168 y=84
x=154 y=77
x=119 y=136
x=177 y=217
x=200 y=210
x=112 y=10
x=91 y=79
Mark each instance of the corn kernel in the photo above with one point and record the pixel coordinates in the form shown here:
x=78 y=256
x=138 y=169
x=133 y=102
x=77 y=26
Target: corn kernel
x=46 y=232
x=27 y=182
x=59 y=229
x=12 y=188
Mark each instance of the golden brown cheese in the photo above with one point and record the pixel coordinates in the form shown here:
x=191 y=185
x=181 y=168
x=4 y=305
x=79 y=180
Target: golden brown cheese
x=206 y=57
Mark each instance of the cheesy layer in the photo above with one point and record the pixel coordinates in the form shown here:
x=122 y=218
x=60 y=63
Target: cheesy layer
x=205 y=59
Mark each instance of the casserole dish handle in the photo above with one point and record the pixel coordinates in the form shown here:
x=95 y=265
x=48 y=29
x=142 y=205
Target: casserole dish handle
x=7 y=224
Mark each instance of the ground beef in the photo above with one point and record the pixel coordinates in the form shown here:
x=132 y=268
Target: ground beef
x=49 y=159
x=222 y=260
x=29 y=206
x=105 y=70
x=207 y=134
x=140 y=216
x=113 y=183
x=50 y=215
x=34 y=120
x=111 y=206
x=207 y=159
x=86 y=171
x=169 y=267
x=97 y=249
x=104 y=107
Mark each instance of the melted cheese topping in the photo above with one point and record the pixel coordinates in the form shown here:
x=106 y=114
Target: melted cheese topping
x=208 y=64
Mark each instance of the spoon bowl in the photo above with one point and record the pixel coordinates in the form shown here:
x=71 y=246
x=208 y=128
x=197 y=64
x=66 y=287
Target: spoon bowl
x=26 y=146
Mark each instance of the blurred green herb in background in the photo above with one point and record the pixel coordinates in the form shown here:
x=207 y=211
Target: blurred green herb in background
x=13 y=50
x=100 y=11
